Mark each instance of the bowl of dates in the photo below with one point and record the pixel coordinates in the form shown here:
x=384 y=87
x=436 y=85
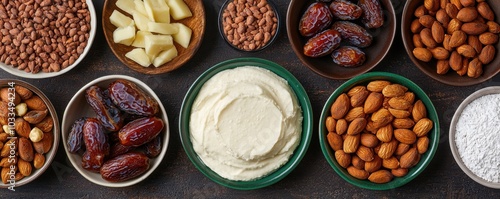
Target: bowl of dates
x=340 y=39
x=29 y=133
x=115 y=131
x=453 y=42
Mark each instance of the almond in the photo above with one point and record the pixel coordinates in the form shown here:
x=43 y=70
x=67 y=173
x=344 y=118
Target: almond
x=356 y=126
x=466 y=51
x=440 y=53
x=473 y=41
x=437 y=31
x=446 y=42
x=417 y=42
x=3 y=137
x=426 y=20
x=357 y=173
x=409 y=159
x=443 y=18
x=390 y=163
x=422 y=127
x=422 y=54
x=370 y=127
x=359 y=98
x=341 y=126
x=330 y=124
x=342 y=158
x=420 y=11
x=487 y=54
x=456 y=3
x=373 y=165
x=467 y=3
x=335 y=141
x=385 y=133
x=5 y=174
x=387 y=149
x=465 y=66
x=356 y=112
x=405 y=136
x=398 y=103
x=380 y=176
x=455 y=61
x=35 y=103
x=394 y=90
x=45 y=144
x=475 y=68
x=399 y=113
x=6 y=147
x=467 y=14
x=26 y=149
x=46 y=124
x=422 y=144
x=402 y=149
x=7 y=161
x=340 y=107
x=24 y=167
x=488 y=38
x=23 y=92
x=474 y=28
x=22 y=127
x=373 y=102
x=493 y=27
x=416 y=26
x=399 y=172
x=451 y=10
x=419 y=111
x=453 y=26
x=381 y=118
x=18 y=176
x=409 y=96
x=351 y=143
x=457 y=39
x=369 y=140
x=426 y=37
x=377 y=85
x=442 y=3
x=485 y=11
x=355 y=90
x=403 y=123
x=357 y=162
x=442 y=67
x=7 y=95
x=431 y=5
x=365 y=153
x=35 y=116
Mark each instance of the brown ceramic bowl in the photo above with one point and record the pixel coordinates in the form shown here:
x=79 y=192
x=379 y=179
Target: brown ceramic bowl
x=195 y=22
x=429 y=68
x=324 y=66
x=51 y=153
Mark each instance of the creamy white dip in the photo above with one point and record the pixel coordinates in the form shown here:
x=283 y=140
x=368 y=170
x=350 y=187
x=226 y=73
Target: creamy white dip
x=245 y=123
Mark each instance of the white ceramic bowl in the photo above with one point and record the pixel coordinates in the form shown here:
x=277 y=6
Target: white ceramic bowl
x=40 y=75
x=452 y=138
x=78 y=107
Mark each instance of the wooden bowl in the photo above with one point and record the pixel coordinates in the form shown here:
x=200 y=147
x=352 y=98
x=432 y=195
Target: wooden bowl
x=429 y=68
x=195 y=22
x=324 y=66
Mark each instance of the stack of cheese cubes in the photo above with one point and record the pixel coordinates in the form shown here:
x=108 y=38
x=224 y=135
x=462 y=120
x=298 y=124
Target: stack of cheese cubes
x=150 y=29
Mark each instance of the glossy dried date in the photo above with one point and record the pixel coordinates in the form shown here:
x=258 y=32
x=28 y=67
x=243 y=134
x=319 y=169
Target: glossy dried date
x=108 y=114
x=75 y=137
x=153 y=147
x=322 y=43
x=345 y=10
x=348 y=56
x=124 y=167
x=372 y=13
x=96 y=144
x=131 y=99
x=316 y=18
x=119 y=149
x=353 y=33
x=140 y=131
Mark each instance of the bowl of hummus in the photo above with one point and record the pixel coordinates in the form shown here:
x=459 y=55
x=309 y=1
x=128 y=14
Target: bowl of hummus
x=246 y=123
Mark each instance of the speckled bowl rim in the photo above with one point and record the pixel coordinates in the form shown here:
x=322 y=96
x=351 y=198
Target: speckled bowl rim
x=300 y=151
x=453 y=124
x=413 y=172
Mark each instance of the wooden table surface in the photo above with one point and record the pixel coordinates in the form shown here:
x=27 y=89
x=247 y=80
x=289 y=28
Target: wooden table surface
x=177 y=177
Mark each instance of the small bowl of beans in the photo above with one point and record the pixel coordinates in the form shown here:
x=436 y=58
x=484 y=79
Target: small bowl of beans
x=47 y=39
x=249 y=25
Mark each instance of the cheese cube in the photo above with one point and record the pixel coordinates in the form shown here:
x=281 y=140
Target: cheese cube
x=157 y=10
x=165 y=56
x=120 y=20
x=141 y=21
x=139 y=56
x=178 y=9
x=126 y=5
x=139 y=7
x=139 y=38
x=156 y=43
x=162 y=28
x=124 y=35
x=183 y=37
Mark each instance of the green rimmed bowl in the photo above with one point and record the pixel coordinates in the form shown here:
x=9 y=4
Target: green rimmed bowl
x=425 y=158
x=299 y=152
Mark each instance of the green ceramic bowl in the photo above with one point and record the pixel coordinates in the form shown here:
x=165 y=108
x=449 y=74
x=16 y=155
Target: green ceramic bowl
x=299 y=152
x=425 y=158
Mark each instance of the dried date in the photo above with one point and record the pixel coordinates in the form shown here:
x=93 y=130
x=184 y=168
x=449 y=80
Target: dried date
x=75 y=136
x=124 y=167
x=348 y=56
x=316 y=18
x=119 y=149
x=153 y=147
x=322 y=44
x=107 y=113
x=96 y=144
x=372 y=13
x=353 y=33
x=140 y=131
x=131 y=99
x=345 y=10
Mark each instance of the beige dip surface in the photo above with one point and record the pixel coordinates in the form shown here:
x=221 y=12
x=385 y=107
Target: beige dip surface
x=245 y=123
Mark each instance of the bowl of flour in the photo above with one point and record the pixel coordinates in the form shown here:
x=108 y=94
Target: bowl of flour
x=475 y=136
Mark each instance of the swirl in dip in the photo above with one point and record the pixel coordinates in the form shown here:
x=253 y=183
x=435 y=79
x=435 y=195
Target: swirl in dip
x=245 y=123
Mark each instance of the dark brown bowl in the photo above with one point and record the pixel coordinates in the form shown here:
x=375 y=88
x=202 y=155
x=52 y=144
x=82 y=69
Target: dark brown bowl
x=195 y=22
x=429 y=68
x=324 y=66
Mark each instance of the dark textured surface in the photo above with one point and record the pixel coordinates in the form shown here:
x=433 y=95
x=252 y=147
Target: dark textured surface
x=176 y=177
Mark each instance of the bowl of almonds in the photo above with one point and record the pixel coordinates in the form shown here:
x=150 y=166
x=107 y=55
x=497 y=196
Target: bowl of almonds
x=29 y=135
x=453 y=41
x=379 y=131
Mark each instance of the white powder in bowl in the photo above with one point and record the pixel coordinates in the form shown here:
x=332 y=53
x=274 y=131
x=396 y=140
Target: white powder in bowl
x=477 y=137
